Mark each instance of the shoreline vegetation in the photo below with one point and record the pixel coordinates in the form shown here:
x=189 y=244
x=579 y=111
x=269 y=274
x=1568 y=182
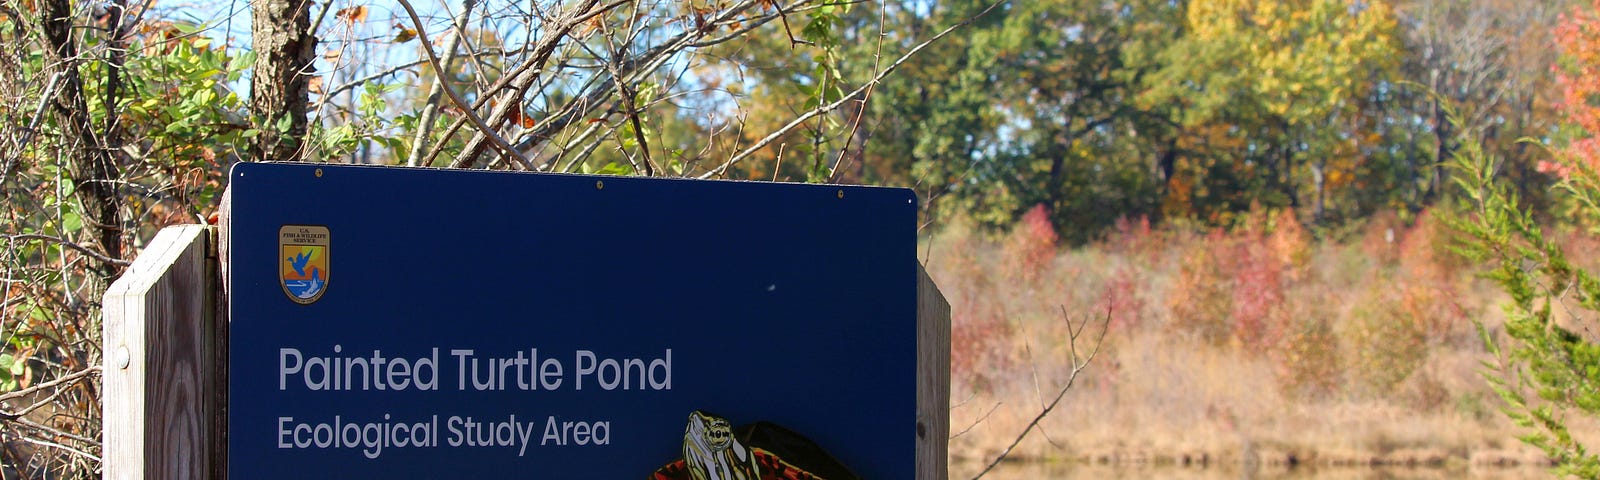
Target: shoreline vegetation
x=1245 y=348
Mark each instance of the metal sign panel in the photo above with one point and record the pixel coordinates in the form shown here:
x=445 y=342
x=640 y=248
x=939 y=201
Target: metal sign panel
x=414 y=323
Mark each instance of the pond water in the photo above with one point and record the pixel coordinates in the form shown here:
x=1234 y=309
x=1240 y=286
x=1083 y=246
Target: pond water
x=1078 y=471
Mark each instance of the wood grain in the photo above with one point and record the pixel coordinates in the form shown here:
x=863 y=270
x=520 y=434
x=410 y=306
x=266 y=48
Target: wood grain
x=160 y=340
x=933 y=380
x=219 y=422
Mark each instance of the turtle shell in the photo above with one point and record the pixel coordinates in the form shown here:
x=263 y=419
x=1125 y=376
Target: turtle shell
x=780 y=454
x=772 y=468
x=792 y=449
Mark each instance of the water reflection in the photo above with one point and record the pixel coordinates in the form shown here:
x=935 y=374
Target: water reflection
x=1077 y=471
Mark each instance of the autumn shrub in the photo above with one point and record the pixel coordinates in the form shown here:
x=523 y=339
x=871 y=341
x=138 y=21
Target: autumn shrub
x=1427 y=251
x=1411 y=308
x=1380 y=238
x=1134 y=238
x=1423 y=392
x=977 y=352
x=1290 y=245
x=955 y=256
x=1031 y=246
x=1258 y=300
x=1201 y=299
x=1385 y=342
x=979 y=331
x=1307 y=362
x=1123 y=300
x=1430 y=280
x=1269 y=253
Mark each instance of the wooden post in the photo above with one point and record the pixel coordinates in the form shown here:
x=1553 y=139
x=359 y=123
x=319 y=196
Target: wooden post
x=162 y=416
x=933 y=380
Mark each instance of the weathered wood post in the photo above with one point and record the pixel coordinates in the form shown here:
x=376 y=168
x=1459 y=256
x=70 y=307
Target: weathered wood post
x=162 y=411
x=933 y=380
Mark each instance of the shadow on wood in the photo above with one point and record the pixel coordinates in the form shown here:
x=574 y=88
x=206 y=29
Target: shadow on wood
x=933 y=380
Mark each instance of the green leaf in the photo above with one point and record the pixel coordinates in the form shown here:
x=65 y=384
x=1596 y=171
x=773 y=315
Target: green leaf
x=615 y=168
x=240 y=63
x=71 y=222
x=646 y=94
x=820 y=30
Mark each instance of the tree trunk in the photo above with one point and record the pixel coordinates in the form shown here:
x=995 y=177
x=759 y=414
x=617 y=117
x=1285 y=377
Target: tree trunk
x=91 y=163
x=1319 y=178
x=280 y=90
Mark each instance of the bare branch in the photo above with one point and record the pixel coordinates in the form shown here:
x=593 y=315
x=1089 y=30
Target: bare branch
x=978 y=421
x=430 y=110
x=47 y=443
x=583 y=105
x=33 y=127
x=1077 y=367
x=66 y=379
x=335 y=91
x=527 y=73
x=466 y=110
x=71 y=245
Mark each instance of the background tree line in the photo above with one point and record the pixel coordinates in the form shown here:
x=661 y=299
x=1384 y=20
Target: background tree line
x=1191 y=112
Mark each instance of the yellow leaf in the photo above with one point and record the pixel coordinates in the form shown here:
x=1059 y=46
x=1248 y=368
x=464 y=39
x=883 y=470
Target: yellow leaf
x=404 y=35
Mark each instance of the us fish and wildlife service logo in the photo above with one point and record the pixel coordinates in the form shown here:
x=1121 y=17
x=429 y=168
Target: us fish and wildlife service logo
x=303 y=262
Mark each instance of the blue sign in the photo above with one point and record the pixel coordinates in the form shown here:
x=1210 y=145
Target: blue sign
x=414 y=323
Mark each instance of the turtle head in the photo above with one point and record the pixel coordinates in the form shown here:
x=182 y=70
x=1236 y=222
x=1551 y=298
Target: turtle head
x=711 y=452
x=709 y=431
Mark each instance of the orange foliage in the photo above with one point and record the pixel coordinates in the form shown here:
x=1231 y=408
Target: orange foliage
x=1578 y=36
x=1032 y=244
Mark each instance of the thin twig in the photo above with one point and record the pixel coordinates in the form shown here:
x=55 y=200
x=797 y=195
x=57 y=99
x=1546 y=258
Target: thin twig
x=526 y=74
x=69 y=244
x=33 y=127
x=1033 y=369
x=5 y=415
x=466 y=110
x=430 y=111
x=1077 y=367
x=56 y=432
x=978 y=421
x=74 y=451
x=861 y=109
x=363 y=80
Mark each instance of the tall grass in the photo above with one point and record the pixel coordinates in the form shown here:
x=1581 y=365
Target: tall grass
x=1251 y=344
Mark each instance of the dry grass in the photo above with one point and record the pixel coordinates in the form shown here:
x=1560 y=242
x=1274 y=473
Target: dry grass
x=1250 y=348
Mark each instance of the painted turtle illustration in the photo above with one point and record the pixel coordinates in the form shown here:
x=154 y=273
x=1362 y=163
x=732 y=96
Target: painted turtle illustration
x=713 y=450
